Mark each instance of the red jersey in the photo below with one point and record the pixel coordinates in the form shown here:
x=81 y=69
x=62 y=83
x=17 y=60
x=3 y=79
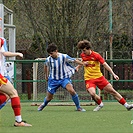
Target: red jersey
x=92 y=70
x=3 y=80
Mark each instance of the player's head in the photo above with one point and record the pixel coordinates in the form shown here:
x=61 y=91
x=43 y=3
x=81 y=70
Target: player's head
x=51 y=48
x=1 y=42
x=85 y=44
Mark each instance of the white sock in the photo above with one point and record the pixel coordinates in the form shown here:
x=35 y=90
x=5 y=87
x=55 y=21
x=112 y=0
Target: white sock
x=126 y=104
x=101 y=104
x=18 y=118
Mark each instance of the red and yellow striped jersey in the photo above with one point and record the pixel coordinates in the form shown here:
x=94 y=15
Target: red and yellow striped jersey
x=92 y=70
x=3 y=80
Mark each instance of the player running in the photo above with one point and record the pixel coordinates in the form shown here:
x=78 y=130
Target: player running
x=7 y=88
x=93 y=76
x=58 y=72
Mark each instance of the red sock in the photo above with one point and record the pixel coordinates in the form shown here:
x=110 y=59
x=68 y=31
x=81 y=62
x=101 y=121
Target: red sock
x=2 y=98
x=122 y=101
x=15 y=102
x=99 y=101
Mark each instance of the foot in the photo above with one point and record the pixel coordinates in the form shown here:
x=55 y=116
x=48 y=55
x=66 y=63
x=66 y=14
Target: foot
x=98 y=108
x=81 y=110
x=22 y=124
x=2 y=105
x=41 y=107
x=130 y=107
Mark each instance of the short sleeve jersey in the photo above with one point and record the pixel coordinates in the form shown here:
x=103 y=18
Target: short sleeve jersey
x=60 y=67
x=92 y=70
x=2 y=58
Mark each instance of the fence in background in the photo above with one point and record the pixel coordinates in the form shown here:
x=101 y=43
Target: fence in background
x=31 y=86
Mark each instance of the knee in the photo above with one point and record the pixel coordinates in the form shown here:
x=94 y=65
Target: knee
x=72 y=91
x=13 y=93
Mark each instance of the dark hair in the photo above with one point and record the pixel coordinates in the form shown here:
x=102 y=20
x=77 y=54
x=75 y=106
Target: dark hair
x=84 y=44
x=51 y=48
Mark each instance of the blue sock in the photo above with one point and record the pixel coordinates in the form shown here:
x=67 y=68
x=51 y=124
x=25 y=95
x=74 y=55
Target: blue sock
x=2 y=105
x=76 y=100
x=45 y=101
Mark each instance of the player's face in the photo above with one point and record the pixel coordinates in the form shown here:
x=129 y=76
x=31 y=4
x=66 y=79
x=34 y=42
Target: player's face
x=86 y=51
x=54 y=54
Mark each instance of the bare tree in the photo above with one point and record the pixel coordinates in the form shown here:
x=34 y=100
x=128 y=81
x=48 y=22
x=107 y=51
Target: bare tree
x=65 y=22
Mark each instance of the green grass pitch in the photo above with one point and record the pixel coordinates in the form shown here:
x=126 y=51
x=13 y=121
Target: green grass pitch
x=113 y=118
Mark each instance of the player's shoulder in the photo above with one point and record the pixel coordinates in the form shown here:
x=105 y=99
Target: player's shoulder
x=63 y=55
x=95 y=53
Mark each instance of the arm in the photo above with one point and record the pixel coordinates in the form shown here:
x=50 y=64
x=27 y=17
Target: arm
x=78 y=67
x=11 y=54
x=81 y=63
x=107 y=67
x=46 y=72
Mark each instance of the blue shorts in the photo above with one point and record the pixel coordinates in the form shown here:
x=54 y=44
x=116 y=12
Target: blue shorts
x=53 y=85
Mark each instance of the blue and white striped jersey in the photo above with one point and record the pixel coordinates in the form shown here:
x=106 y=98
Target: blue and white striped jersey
x=60 y=68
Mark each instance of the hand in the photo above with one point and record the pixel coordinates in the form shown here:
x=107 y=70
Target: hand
x=77 y=68
x=85 y=63
x=116 y=77
x=20 y=55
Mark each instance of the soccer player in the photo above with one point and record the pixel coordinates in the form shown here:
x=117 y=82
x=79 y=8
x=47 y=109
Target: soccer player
x=7 y=88
x=4 y=72
x=93 y=76
x=58 y=72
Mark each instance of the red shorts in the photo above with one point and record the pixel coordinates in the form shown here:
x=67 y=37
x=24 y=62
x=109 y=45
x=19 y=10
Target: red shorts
x=3 y=80
x=99 y=82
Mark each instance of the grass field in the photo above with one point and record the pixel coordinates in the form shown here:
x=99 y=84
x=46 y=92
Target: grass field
x=113 y=118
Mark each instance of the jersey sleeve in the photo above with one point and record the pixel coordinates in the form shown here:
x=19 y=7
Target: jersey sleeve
x=5 y=45
x=46 y=62
x=70 y=59
x=100 y=58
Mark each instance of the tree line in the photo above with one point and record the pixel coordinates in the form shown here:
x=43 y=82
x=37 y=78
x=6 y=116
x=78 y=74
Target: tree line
x=65 y=22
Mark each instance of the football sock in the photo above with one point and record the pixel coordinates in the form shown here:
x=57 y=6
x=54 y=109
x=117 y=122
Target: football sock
x=45 y=101
x=101 y=104
x=3 y=98
x=99 y=101
x=76 y=100
x=15 y=103
x=18 y=118
x=122 y=101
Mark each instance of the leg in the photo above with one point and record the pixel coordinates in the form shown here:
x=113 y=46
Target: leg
x=117 y=96
x=96 y=98
x=3 y=99
x=74 y=95
x=47 y=99
x=15 y=102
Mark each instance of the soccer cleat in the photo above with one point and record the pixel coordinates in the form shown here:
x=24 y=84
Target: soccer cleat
x=22 y=124
x=40 y=108
x=130 y=107
x=97 y=108
x=81 y=110
x=2 y=105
